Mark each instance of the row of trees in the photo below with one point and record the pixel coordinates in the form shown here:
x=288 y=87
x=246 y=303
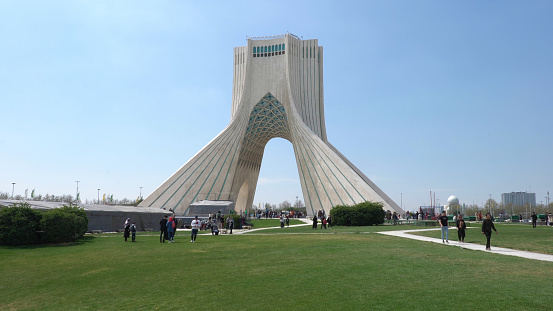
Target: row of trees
x=66 y=198
x=498 y=208
x=298 y=206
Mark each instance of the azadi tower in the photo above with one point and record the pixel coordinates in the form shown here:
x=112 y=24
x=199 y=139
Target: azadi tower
x=277 y=92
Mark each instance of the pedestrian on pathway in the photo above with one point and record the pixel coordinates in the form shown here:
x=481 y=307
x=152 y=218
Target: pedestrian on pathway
x=314 y=221
x=281 y=221
x=287 y=221
x=163 y=228
x=195 y=227
x=445 y=229
x=461 y=227
x=534 y=219
x=487 y=226
x=329 y=222
x=231 y=224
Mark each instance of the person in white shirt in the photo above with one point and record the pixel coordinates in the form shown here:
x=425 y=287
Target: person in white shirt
x=195 y=227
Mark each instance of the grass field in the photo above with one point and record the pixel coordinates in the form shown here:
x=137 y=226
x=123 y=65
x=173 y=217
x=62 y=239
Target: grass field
x=339 y=270
x=515 y=236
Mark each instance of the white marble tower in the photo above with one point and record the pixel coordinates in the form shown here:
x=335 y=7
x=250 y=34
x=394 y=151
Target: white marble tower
x=277 y=92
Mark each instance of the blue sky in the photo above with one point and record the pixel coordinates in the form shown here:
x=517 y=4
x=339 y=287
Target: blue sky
x=454 y=97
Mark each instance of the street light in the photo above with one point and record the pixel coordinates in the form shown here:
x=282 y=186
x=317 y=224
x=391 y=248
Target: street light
x=140 y=196
x=13 y=188
x=77 y=196
x=98 y=196
x=490 y=207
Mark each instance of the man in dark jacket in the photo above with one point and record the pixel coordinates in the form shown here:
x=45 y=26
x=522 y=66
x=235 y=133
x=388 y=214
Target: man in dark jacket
x=487 y=226
x=163 y=228
x=534 y=219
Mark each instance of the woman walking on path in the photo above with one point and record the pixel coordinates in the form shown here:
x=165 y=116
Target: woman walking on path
x=487 y=226
x=461 y=227
x=314 y=221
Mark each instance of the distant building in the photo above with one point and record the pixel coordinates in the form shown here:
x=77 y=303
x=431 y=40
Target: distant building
x=518 y=199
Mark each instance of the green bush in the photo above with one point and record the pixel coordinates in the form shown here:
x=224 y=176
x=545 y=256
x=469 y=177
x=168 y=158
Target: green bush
x=19 y=225
x=236 y=219
x=80 y=225
x=362 y=214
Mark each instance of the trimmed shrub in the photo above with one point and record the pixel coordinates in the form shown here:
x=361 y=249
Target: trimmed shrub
x=362 y=214
x=19 y=225
x=64 y=224
x=236 y=219
x=80 y=226
x=22 y=225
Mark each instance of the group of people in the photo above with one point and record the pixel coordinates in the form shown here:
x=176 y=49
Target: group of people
x=168 y=228
x=325 y=221
x=130 y=228
x=284 y=219
x=487 y=227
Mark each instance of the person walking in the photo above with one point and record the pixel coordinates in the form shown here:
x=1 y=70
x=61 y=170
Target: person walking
x=534 y=219
x=170 y=229
x=487 y=226
x=127 y=231
x=133 y=232
x=314 y=221
x=231 y=224
x=461 y=227
x=281 y=222
x=163 y=228
x=445 y=229
x=195 y=227
x=329 y=222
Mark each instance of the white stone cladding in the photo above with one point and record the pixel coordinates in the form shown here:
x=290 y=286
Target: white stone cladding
x=277 y=92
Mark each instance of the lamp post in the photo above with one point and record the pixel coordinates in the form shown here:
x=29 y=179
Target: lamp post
x=98 y=196
x=140 y=196
x=13 y=188
x=77 y=196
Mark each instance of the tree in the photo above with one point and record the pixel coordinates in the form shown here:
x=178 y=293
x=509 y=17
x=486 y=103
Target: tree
x=285 y=205
x=491 y=203
x=299 y=204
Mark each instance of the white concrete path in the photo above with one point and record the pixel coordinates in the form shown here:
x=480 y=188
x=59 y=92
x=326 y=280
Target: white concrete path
x=476 y=247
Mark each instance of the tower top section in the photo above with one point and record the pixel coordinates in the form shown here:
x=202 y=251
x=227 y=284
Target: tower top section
x=274 y=37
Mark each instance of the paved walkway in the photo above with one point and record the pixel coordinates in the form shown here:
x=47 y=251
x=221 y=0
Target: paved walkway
x=476 y=247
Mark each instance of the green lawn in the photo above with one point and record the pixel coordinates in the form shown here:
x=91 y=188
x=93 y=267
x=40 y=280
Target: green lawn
x=265 y=223
x=516 y=236
x=337 y=271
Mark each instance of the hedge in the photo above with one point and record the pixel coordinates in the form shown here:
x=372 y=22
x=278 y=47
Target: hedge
x=22 y=225
x=19 y=225
x=362 y=214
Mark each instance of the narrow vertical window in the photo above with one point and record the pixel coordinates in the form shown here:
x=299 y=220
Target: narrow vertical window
x=283 y=48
